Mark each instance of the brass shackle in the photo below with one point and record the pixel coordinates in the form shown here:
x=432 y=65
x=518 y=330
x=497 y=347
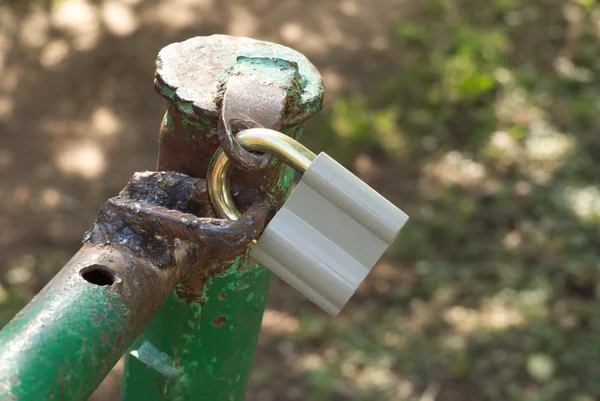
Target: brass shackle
x=258 y=140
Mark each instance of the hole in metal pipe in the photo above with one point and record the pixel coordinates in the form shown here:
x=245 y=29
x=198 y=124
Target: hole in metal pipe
x=98 y=275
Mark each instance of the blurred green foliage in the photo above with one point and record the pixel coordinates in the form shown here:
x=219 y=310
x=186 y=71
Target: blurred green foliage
x=487 y=135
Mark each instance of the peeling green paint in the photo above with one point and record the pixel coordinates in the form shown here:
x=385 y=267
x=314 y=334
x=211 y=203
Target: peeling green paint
x=157 y=360
x=73 y=352
x=286 y=177
x=186 y=107
x=273 y=161
x=166 y=91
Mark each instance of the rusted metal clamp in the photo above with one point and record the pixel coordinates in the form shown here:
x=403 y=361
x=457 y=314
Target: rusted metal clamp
x=157 y=207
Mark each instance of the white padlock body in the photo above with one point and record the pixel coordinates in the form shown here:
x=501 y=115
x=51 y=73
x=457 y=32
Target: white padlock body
x=328 y=235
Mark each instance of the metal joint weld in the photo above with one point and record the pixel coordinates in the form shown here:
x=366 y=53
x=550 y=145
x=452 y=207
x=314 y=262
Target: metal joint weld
x=158 y=208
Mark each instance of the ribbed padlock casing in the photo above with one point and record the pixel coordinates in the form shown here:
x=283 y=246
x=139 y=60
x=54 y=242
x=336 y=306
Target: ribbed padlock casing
x=329 y=234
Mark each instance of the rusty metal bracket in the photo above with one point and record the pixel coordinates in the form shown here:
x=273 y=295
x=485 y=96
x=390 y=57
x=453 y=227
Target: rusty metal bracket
x=257 y=94
x=159 y=205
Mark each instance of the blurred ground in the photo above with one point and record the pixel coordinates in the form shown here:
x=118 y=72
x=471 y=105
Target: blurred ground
x=479 y=119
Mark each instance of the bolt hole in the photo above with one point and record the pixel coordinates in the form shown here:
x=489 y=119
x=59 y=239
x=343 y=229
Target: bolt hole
x=98 y=275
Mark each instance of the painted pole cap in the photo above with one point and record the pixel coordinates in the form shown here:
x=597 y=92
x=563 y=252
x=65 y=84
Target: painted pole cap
x=194 y=75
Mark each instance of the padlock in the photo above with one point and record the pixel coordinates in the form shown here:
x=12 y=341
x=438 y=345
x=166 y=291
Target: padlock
x=330 y=232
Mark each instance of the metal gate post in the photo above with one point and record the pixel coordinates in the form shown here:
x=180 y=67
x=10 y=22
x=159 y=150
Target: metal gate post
x=200 y=344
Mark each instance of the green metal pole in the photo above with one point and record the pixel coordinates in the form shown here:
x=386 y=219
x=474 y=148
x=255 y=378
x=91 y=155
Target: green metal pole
x=65 y=341
x=200 y=344
x=47 y=354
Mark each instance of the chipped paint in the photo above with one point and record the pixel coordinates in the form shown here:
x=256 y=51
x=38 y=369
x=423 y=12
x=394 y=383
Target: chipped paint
x=219 y=321
x=88 y=329
x=285 y=179
x=186 y=108
x=157 y=360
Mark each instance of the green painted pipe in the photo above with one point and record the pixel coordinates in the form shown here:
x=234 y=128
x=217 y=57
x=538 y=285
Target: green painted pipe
x=211 y=346
x=66 y=340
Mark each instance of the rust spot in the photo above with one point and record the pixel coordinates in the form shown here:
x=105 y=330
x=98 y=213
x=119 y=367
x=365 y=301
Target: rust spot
x=222 y=296
x=119 y=340
x=104 y=339
x=96 y=319
x=157 y=207
x=219 y=321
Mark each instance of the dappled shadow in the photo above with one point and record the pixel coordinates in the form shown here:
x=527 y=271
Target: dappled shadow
x=487 y=138
x=478 y=121
x=78 y=112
